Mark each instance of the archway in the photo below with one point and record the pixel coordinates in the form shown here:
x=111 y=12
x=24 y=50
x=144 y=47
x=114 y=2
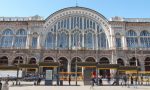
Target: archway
x=18 y=60
x=4 y=60
x=104 y=72
x=63 y=64
x=120 y=62
x=90 y=59
x=73 y=65
x=48 y=59
x=32 y=61
x=134 y=62
x=147 y=64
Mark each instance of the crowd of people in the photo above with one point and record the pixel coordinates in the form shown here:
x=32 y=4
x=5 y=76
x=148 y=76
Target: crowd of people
x=122 y=79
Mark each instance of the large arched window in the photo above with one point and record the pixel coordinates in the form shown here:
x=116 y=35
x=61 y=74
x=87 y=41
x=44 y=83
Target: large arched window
x=132 y=40
x=7 y=38
x=3 y=60
x=34 y=42
x=145 y=39
x=89 y=40
x=118 y=40
x=49 y=42
x=63 y=40
x=20 y=39
x=102 y=41
x=76 y=39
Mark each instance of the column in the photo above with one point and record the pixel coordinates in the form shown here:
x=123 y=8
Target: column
x=96 y=42
x=69 y=67
x=124 y=43
x=13 y=41
x=70 y=40
x=83 y=40
x=28 y=41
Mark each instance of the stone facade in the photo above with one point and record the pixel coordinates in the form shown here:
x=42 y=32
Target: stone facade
x=72 y=20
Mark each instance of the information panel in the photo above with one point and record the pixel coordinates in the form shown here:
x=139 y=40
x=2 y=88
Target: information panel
x=49 y=74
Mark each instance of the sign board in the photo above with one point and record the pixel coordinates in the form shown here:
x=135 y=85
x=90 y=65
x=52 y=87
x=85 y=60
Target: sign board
x=87 y=76
x=49 y=74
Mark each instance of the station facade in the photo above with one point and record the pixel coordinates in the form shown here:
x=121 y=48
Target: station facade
x=75 y=34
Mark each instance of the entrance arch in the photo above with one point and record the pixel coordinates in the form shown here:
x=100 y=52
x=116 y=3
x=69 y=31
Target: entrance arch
x=18 y=60
x=63 y=64
x=120 y=62
x=90 y=59
x=134 y=62
x=103 y=60
x=147 y=64
x=3 y=60
x=73 y=65
x=48 y=59
x=104 y=72
x=32 y=61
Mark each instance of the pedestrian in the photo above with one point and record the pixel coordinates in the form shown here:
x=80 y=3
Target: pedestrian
x=141 y=80
x=0 y=85
x=39 y=81
x=125 y=80
x=131 y=80
x=108 y=79
x=100 y=81
x=5 y=86
x=69 y=79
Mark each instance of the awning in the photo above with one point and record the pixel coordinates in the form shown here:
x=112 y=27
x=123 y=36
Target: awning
x=30 y=66
x=86 y=64
x=107 y=66
x=48 y=64
x=128 y=68
x=8 y=67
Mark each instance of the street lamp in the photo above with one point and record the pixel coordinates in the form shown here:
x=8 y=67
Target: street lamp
x=76 y=67
x=18 y=62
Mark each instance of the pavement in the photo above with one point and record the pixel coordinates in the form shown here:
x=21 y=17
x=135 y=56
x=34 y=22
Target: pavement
x=31 y=86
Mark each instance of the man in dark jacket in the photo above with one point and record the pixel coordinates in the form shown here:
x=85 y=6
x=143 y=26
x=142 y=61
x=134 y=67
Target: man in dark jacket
x=0 y=85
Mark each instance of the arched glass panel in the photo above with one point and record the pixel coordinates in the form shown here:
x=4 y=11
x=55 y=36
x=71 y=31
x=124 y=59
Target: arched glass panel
x=20 y=39
x=49 y=41
x=89 y=40
x=63 y=40
x=7 y=38
x=76 y=40
x=103 y=40
x=118 y=40
x=34 y=42
x=132 y=40
x=144 y=33
x=145 y=39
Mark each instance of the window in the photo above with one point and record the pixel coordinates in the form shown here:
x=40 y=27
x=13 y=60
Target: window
x=132 y=40
x=20 y=40
x=7 y=38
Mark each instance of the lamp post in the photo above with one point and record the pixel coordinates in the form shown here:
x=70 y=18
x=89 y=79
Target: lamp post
x=18 y=62
x=76 y=68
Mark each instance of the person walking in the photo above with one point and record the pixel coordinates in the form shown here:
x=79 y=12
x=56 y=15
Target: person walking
x=131 y=80
x=0 y=85
x=69 y=80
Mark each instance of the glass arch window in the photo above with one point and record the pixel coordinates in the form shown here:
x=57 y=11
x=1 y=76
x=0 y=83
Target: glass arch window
x=145 y=39
x=131 y=38
x=7 y=38
x=20 y=39
x=89 y=40
x=118 y=40
x=102 y=41
x=82 y=24
x=63 y=40
x=76 y=39
x=49 y=41
x=34 y=42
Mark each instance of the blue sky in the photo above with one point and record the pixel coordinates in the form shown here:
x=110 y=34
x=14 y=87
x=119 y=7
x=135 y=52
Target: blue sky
x=108 y=8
